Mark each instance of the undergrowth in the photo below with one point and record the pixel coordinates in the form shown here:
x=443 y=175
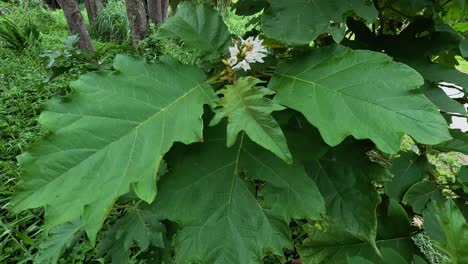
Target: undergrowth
x=111 y=24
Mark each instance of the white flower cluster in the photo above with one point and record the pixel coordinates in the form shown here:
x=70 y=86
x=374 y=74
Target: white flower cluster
x=417 y=221
x=250 y=50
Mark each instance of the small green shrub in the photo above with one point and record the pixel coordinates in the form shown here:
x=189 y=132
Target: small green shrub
x=111 y=24
x=18 y=38
x=154 y=48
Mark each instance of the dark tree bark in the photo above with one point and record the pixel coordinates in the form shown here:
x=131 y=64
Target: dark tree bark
x=76 y=25
x=157 y=10
x=164 y=9
x=136 y=14
x=53 y=4
x=154 y=11
x=93 y=7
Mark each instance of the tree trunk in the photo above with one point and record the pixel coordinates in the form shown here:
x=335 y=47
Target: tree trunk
x=154 y=11
x=164 y=9
x=93 y=7
x=157 y=10
x=136 y=14
x=99 y=5
x=76 y=25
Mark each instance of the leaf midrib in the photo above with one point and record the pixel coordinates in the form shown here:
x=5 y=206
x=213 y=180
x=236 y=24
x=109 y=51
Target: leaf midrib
x=252 y=115
x=362 y=243
x=315 y=85
x=117 y=139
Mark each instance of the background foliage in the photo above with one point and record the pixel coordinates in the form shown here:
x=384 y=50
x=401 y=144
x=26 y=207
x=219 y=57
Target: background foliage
x=342 y=197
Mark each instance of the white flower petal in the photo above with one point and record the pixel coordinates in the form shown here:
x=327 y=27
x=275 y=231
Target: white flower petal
x=248 y=41
x=234 y=51
x=243 y=64
x=232 y=61
x=249 y=51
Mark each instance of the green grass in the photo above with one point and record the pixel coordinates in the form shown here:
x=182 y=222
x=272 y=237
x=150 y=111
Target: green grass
x=111 y=24
x=22 y=94
x=20 y=105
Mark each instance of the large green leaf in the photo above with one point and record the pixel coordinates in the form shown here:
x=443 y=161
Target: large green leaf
x=415 y=49
x=442 y=100
x=332 y=244
x=390 y=256
x=358 y=260
x=233 y=204
x=459 y=143
x=393 y=220
x=335 y=245
x=452 y=224
x=59 y=239
x=111 y=135
x=407 y=169
x=344 y=177
x=421 y=193
x=201 y=29
x=247 y=109
x=304 y=140
x=436 y=72
x=361 y=93
x=298 y=22
x=140 y=227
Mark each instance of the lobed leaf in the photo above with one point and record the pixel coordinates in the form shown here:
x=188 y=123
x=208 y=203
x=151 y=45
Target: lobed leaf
x=201 y=28
x=407 y=169
x=415 y=49
x=459 y=143
x=442 y=100
x=361 y=93
x=448 y=229
x=140 y=227
x=298 y=22
x=335 y=245
x=421 y=193
x=247 y=109
x=233 y=204
x=344 y=177
x=60 y=238
x=111 y=135
x=436 y=72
